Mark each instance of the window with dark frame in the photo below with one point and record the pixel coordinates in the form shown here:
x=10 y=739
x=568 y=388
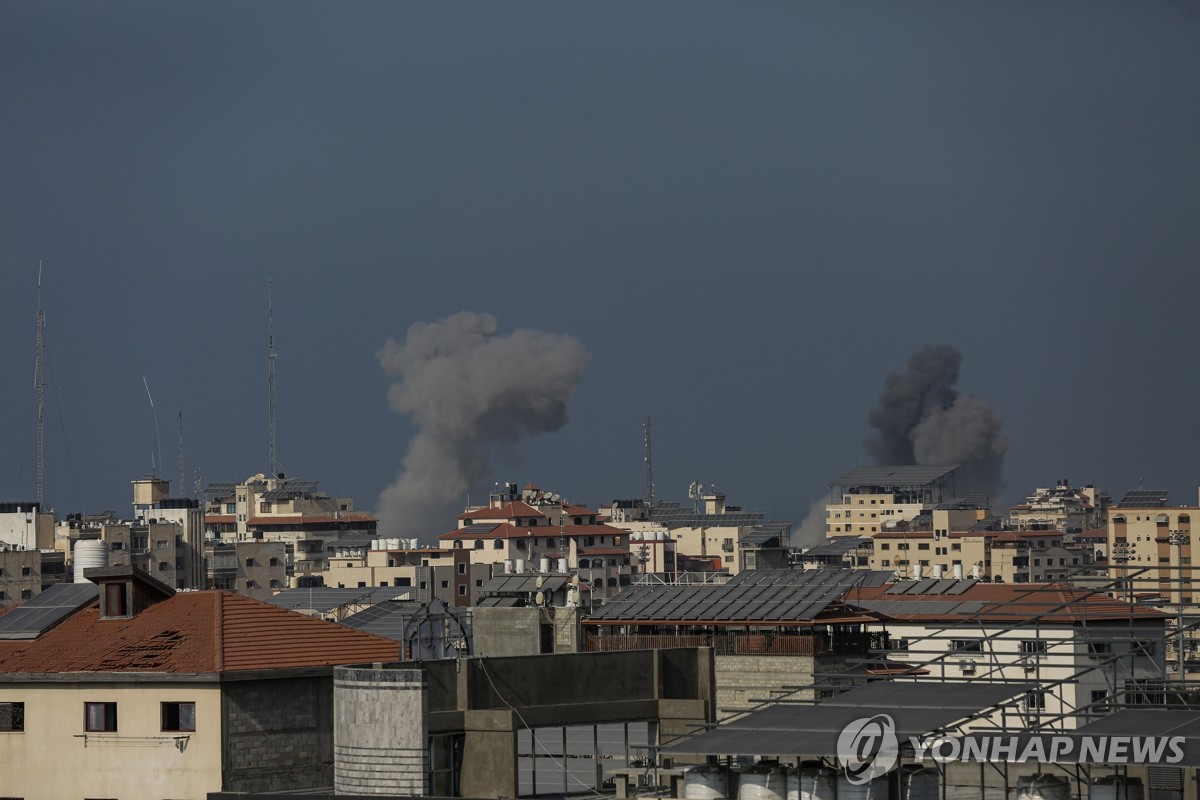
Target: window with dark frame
x=12 y=717
x=179 y=717
x=100 y=717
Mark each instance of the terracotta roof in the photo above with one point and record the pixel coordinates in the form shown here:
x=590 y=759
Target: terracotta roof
x=929 y=534
x=307 y=519
x=194 y=632
x=506 y=530
x=215 y=519
x=604 y=551
x=517 y=508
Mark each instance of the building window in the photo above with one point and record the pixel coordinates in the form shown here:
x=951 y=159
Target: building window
x=12 y=717
x=1033 y=647
x=498 y=544
x=923 y=546
x=479 y=583
x=589 y=541
x=179 y=717
x=26 y=571
x=100 y=717
x=966 y=645
x=445 y=584
x=264 y=508
x=479 y=544
x=551 y=544
x=1035 y=701
x=26 y=594
x=885 y=546
x=114 y=601
x=579 y=520
x=462 y=568
x=462 y=590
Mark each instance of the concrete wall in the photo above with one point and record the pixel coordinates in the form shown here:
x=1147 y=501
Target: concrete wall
x=507 y=631
x=744 y=682
x=278 y=734
x=381 y=723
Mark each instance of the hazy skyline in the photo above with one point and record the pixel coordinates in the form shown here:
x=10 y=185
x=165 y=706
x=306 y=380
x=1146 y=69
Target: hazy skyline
x=747 y=215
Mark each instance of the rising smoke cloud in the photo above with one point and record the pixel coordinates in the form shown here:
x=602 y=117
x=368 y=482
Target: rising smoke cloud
x=472 y=393
x=921 y=418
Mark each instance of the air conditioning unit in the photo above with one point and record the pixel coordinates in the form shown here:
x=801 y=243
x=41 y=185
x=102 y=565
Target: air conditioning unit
x=967 y=667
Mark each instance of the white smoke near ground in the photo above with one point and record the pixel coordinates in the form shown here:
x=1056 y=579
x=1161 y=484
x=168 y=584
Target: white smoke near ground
x=812 y=530
x=922 y=419
x=472 y=393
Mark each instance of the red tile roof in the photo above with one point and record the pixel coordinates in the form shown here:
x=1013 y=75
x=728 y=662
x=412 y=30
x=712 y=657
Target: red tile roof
x=517 y=508
x=307 y=519
x=194 y=632
x=506 y=530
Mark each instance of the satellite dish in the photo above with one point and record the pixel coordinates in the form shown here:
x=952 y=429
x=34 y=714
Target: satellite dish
x=540 y=598
x=538 y=584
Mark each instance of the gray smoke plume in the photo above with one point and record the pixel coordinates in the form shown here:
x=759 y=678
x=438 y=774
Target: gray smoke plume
x=471 y=392
x=922 y=419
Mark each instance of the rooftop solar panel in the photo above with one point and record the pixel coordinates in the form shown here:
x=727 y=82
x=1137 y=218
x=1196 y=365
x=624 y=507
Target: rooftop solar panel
x=961 y=586
x=47 y=609
x=922 y=586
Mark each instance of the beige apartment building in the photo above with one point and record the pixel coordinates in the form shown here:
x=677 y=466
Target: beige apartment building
x=1150 y=545
x=871 y=500
x=1002 y=556
x=1062 y=507
x=208 y=691
x=281 y=509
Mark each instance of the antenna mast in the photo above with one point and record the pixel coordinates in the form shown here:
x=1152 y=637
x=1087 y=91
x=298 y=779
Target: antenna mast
x=271 y=382
x=39 y=385
x=649 y=462
x=156 y=456
x=182 y=472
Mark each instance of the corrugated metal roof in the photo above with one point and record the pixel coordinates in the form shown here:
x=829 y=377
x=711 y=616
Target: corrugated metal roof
x=894 y=476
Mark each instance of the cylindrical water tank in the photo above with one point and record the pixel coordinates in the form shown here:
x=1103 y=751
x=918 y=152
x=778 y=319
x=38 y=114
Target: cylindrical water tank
x=89 y=554
x=544 y=565
x=939 y=570
x=508 y=566
x=377 y=544
x=917 y=572
x=814 y=783
x=1114 y=787
x=380 y=725
x=871 y=790
x=919 y=783
x=393 y=543
x=1042 y=787
x=762 y=782
x=958 y=572
x=705 y=783
x=519 y=564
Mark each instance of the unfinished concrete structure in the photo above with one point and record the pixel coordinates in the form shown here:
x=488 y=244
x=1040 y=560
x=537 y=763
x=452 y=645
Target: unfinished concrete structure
x=494 y=723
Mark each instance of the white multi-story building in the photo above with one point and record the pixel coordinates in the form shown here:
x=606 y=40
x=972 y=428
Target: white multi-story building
x=1082 y=651
x=1062 y=507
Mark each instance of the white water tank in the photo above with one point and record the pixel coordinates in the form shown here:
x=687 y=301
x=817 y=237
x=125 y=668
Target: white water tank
x=762 y=782
x=917 y=572
x=938 y=571
x=1042 y=787
x=508 y=566
x=919 y=783
x=544 y=565
x=975 y=571
x=519 y=564
x=393 y=543
x=89 y=554
x=705 y=783
x=958 y=572
x=1114 y=787
x=813 y=783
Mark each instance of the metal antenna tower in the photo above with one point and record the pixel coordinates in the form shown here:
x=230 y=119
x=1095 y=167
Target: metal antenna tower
x=156 y=456
x=39 y=385
x=271 y=382
x=649 y=462
x=182 y=471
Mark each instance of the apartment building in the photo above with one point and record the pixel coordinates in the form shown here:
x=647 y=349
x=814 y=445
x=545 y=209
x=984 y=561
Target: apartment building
x=253 y=569
x=870 y=500
x=1061 y=507
x=132 y=691
x=1150 y=545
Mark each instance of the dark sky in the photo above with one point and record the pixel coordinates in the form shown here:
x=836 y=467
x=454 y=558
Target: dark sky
x=748 y=213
